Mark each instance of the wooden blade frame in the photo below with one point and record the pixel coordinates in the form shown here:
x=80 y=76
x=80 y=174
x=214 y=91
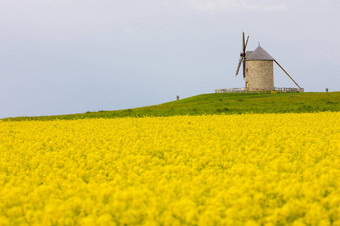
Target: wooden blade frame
x=239 y=65
x=243 y=55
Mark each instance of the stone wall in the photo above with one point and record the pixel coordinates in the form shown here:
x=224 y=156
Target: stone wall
x=259 y=75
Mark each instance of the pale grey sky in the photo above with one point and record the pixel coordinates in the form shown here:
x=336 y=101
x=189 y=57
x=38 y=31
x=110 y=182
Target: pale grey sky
x=70 y=56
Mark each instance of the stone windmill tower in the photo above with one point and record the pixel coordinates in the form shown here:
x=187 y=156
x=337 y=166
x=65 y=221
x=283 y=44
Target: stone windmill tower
x=258 y=68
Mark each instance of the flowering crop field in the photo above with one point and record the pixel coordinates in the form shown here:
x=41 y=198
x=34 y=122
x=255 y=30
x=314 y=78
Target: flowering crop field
x=256 y=169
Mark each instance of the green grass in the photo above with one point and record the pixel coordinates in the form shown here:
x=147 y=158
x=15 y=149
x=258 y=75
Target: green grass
x=222 y=103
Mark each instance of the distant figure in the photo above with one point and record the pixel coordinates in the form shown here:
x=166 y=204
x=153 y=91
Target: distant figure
x=177 y=97
x=326 y=90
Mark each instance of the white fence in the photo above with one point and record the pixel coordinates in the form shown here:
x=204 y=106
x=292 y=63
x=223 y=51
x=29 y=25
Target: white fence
x=231 y=90
x=241 y=90
x=288 y=90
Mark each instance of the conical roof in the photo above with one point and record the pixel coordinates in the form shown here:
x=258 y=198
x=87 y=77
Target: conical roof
x=259 y=54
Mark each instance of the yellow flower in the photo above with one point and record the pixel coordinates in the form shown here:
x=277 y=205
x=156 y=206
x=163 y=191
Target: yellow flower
x=253 y=169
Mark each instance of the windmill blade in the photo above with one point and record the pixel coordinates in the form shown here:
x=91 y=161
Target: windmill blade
x=245 y=47
x=239 y=65
x=244 y=67
x=243 y=54
x=244 y=58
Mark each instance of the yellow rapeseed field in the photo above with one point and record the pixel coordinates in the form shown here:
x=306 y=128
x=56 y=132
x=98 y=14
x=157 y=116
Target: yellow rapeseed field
x=253 y=169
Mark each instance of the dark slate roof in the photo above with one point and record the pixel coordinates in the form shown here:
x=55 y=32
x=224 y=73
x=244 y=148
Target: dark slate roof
x=258 y=54
x=248 y=53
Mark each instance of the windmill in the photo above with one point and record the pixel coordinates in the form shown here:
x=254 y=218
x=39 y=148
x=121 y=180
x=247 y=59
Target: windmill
x=258 y=68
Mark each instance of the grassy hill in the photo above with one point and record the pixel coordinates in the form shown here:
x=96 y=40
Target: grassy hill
x=222 y=103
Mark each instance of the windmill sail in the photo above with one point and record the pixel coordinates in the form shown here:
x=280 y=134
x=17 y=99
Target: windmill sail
x=242 y=55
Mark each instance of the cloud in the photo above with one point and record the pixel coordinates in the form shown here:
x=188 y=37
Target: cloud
x=245 y=5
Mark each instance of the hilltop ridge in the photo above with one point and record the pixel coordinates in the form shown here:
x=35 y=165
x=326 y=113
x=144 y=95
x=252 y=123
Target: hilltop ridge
x=219 y=103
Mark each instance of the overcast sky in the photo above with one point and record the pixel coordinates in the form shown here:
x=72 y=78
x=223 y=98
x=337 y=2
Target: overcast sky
x=72 y=56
